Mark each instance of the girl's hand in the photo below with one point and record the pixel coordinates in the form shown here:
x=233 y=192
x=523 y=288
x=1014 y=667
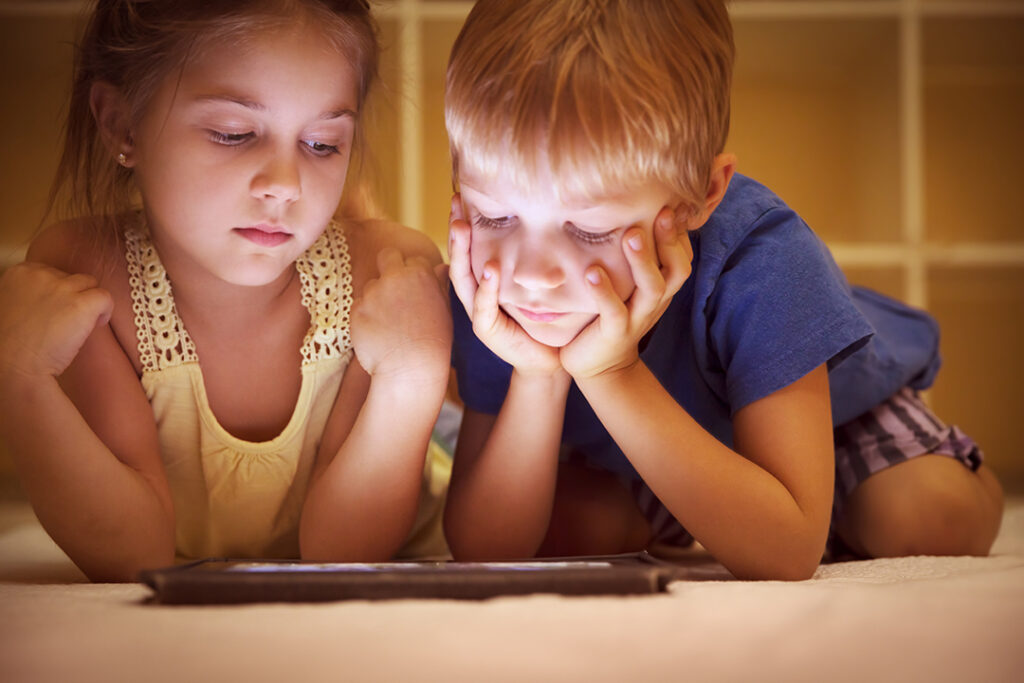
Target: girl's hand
x=500 y=333
x=401 y=325
x=611 y=342
x=45 y=317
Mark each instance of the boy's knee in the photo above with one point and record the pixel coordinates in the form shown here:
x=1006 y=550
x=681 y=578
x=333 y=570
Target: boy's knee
x=935 y=507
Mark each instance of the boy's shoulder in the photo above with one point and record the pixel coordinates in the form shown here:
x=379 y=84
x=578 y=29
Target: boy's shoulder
x=744 y=203
x=749 y=208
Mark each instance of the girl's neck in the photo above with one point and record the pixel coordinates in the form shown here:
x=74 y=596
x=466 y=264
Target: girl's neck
x=202 y=298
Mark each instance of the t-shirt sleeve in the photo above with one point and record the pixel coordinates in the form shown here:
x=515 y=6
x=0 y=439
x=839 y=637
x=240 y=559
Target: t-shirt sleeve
x=780 y=308
x=482 y=377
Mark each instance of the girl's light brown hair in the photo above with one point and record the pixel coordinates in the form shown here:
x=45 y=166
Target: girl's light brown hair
x=613 y=93
x=136 y=44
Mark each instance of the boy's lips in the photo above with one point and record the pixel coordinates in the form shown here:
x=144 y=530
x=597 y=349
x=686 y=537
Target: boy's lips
x=265 y=235
x=539 y=315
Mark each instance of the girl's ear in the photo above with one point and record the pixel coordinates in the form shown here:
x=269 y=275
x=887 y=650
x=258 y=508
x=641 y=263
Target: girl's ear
x=111 y=113
x=722 y=170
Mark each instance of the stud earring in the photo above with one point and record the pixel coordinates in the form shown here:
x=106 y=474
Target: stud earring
x=122 y=159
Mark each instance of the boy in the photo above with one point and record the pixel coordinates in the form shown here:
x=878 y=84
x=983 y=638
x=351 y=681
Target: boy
x=653 y=349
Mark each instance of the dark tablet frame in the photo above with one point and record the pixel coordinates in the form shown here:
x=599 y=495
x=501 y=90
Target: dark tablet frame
x=234 y=581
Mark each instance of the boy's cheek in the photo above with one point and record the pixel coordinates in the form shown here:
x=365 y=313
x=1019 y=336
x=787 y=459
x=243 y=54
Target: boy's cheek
x=621 y=278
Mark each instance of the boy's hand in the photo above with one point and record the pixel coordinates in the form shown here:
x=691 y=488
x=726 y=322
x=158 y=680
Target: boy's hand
x=500 y=333
x=45 y=317
x=401 y=325
x=611 y=341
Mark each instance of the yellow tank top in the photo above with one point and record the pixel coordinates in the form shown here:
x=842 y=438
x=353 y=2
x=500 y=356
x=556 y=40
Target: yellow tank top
x=236 y=498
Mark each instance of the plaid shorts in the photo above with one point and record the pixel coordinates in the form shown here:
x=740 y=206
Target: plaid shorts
x=895 y=431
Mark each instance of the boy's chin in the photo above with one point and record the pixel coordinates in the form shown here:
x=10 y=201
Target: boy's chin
x=550 y=335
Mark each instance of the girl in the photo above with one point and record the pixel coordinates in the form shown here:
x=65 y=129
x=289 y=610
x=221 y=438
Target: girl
x=226 y=370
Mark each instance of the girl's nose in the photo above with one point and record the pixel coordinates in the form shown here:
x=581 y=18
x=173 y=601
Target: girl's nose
x=278 y=179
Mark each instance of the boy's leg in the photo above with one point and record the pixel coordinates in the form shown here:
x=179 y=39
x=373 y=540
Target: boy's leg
x=906 y=484
x=930 y=505
x=593 y=514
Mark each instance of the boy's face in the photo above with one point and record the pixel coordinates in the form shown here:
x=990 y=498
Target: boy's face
x=543 y=245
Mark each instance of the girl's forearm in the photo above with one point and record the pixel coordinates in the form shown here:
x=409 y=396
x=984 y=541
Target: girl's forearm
x=499 y=506
x=363 y=504
x=739 y=511
x=108 y=518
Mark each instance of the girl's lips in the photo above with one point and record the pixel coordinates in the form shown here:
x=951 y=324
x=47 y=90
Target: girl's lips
x=264 y=238
x=539 y=316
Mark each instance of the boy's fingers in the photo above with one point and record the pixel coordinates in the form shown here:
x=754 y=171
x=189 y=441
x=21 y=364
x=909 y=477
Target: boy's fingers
x=674 y=251
x=460 y=270
x=650 y=284
x=485 y=304
x=611 y=312
x=457 y=213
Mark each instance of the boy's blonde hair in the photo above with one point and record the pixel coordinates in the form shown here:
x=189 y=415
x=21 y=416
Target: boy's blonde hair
x=614 y=92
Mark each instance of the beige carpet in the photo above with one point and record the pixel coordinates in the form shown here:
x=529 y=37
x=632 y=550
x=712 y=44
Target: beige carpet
x=911 y=619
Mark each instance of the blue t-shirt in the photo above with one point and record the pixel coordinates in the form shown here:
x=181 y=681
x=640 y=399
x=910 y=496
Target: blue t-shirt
x=764 y=305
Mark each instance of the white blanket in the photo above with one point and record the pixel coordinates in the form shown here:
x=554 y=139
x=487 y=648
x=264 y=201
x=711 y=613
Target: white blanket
x=910 y=619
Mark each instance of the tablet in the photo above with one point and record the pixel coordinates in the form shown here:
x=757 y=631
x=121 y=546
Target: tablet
x=233 y=581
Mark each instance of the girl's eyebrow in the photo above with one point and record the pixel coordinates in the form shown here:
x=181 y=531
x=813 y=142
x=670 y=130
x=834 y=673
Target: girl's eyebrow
x=257 y=106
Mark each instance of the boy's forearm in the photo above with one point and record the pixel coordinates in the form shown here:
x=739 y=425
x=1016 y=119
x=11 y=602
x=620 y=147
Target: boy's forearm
x=500 y=505
x=739 y=511
x=105 y=515
x=363 y=505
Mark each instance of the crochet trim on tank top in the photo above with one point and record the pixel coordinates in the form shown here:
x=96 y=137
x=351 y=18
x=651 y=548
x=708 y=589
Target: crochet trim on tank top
x=326 y=287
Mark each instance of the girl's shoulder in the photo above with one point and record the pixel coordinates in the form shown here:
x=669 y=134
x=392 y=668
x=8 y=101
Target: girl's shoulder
x=366 y=237
x=82 y=245
x=94 y=247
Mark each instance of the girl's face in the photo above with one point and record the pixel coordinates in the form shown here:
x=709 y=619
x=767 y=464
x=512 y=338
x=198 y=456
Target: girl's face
x=242 y=160
x=544 y=245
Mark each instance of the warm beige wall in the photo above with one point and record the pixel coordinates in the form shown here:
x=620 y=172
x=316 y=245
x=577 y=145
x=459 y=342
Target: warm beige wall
x=819 y=114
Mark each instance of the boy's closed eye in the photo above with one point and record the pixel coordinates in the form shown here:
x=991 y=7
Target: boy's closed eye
x=585 y=236
x=488 y=223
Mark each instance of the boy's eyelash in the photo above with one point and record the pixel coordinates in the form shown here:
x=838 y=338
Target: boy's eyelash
x=482 y=221
x=593 y=238
x=590 y=237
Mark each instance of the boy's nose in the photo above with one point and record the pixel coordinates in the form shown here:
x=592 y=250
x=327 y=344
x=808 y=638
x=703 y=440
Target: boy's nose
x=537 y=266
x=278 y=179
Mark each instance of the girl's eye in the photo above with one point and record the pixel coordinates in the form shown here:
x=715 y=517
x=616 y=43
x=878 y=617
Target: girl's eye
x=482 y=221
x=230 y=139
x=321 y=149
x=597 y=238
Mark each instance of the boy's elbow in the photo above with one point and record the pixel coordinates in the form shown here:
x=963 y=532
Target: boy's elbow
x=794 y=564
